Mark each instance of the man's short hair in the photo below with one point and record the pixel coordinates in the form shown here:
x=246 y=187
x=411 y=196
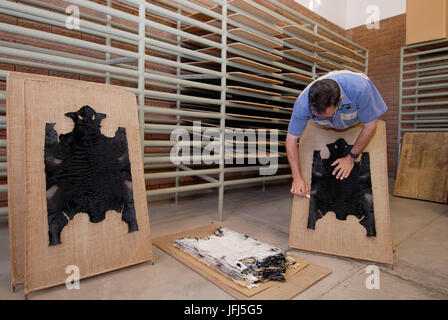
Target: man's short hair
x=323 y=94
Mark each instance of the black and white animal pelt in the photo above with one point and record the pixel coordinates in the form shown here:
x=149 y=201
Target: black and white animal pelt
x=243 y=259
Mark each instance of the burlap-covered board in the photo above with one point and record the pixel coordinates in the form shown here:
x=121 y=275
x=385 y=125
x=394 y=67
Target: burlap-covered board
x=344 y=237
x=94 y=248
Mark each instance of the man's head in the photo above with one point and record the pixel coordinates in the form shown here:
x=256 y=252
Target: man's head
x=324 y=97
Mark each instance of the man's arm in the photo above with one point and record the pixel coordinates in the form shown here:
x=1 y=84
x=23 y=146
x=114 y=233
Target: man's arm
x=364 y=137
x=299 y=186
x=345 y=165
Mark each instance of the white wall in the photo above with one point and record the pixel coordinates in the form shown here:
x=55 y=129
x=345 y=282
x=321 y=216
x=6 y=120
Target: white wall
x=332 y=10
x=352 y=13
x=356 y=10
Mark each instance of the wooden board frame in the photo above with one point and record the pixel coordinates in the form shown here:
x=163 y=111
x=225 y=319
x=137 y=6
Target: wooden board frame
x=252 y=50
x=423 y=168
x=296 y=282
x=255 y=37
x=293 y=98
x=261 y=13
x=303 y=44
x=334 y=46
x=199 y=31
x=254 y=77
x=306 y=33
x=299 y=77
x=209 y=36
x=255 y=24
x=205 y=17
x=335 y=57
x=253 y=64
x=344 y=238
x=210 y=51
x=36 y=100
x=205 y=64
x=263 y=105
x=329 y=65
x=303 y=55
x=269 y=93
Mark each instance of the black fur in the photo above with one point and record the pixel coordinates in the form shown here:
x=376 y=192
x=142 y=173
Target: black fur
x=350 y=196
x=87 y=172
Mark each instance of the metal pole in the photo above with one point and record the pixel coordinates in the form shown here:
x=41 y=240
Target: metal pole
x=108 y=18
x=222 y=123
x=400 y=106
x=416 y=99
x=178 y=38
x=141 y=70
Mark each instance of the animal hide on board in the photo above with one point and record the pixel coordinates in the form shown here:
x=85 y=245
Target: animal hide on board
x=350 y=196
x=241 y=258
x=87 y=172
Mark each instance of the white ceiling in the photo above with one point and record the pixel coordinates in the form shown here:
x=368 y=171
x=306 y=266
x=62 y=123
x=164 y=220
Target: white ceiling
x=352 y=13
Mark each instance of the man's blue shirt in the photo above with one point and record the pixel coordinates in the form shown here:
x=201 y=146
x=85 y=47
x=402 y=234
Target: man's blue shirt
x=361 y=102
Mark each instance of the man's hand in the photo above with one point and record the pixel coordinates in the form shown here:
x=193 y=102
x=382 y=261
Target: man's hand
x=300 y=188
x=344 y=167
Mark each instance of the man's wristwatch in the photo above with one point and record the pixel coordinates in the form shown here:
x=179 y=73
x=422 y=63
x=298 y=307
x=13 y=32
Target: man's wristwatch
x=353 y=155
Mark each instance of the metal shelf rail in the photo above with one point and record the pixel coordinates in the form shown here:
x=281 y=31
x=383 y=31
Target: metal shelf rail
x=185 y=61
x=423 y=98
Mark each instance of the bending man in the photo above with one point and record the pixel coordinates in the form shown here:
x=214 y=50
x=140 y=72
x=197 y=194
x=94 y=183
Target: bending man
x=338 y=100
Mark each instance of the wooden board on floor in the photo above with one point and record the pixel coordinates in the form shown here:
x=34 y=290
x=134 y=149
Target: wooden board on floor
x=305 y=32
x=94 y=247
x=303 y=55
x=255 y=24
x=259 y=12
x=423 y=168
x=297 y=280
x=304 y=44
x=255 y=37
x=269 y=93
x=254 y=64
x=255 y=51
x=299 y=77
x=344 y=238
x=254 y=77
x=334 y=46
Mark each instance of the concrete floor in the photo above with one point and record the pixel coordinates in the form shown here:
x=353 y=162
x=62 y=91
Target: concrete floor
x=420 y=233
